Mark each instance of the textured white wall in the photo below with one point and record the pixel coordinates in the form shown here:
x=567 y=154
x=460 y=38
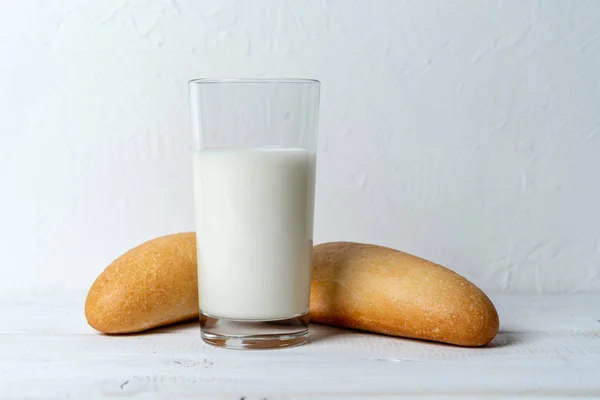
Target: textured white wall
x=466 y=132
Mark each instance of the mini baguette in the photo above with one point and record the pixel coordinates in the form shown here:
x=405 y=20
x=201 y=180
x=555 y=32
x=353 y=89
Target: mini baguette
x=153 y=284
x=354 y=285
x=382 y=290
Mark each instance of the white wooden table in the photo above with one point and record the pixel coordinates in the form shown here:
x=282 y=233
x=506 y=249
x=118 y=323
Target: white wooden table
x=548 y=346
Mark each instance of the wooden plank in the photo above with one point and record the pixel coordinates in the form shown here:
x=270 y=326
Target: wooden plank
x=549 y=345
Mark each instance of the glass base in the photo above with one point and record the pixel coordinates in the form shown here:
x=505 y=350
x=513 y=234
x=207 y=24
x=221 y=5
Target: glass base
x=254 y=335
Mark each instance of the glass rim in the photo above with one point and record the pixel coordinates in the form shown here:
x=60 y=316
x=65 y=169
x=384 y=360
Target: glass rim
x=198 y=81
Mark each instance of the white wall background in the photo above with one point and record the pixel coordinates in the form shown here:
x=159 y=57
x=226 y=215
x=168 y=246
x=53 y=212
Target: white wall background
x=466 y=132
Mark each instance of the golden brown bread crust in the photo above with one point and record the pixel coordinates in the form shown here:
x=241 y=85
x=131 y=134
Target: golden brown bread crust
x=151 y=285
x=387 y=291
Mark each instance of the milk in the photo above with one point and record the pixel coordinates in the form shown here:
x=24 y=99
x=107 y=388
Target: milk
x=254 y=222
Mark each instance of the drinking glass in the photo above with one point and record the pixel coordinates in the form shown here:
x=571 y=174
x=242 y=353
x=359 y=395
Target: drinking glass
x=254 y=164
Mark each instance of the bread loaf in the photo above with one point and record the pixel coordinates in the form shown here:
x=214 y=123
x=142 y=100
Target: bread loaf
x=151 y=285
x=382 y=290
x=354 y=285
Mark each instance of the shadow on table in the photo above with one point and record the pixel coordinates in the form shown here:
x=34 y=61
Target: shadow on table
x=508 y=338
x=323 y=333
x=189 y=325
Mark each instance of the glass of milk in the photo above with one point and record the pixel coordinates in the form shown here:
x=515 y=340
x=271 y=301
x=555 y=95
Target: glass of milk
x=254 y=188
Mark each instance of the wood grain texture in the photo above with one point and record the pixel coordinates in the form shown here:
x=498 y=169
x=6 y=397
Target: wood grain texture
x=547 y=346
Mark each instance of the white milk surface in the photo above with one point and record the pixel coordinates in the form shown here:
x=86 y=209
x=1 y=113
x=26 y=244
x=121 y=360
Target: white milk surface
x=254 y=223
